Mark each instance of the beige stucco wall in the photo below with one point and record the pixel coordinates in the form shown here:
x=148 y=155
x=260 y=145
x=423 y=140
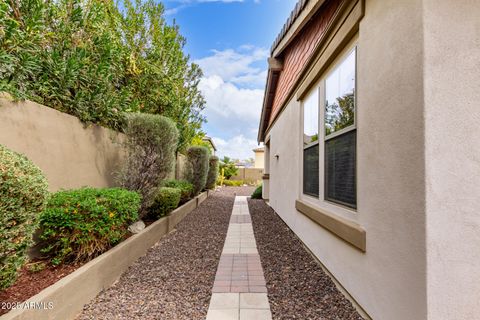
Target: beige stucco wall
x=70 y=154
x=452 y=146
x=259 y=159
x=389 y=280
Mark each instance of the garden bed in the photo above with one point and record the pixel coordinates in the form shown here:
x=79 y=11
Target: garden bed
x=30 y=283
x=74 y=288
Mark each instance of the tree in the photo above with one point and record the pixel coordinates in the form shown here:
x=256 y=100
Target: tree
x=341 y=114
x=228 y=167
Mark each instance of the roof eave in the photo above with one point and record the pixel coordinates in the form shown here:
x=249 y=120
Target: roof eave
x=275 y=66
x=301 y=14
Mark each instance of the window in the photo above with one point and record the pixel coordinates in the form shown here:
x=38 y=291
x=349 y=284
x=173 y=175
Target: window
x=340 y=134
x=310 y=146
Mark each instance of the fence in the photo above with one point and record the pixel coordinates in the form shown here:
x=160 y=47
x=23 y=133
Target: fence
x=70 y=154
x=248 y=174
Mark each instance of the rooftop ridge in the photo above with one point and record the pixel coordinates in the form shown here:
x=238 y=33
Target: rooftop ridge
x=288 y=24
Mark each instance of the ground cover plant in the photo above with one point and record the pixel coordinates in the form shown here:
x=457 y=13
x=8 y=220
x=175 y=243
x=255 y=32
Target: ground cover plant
x=233 y=183
x=197 y=167
x=78 y=225
x=23 y=195
x=151 y=144
x=166 y=200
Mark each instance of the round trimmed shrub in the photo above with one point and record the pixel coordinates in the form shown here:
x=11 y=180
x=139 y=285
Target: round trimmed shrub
x=166 y=200
x=185 y=187
x=212 y=172
x=23 y=194
x=151 y=144
x=197 y=167
x=80 y=224
x=257 y=194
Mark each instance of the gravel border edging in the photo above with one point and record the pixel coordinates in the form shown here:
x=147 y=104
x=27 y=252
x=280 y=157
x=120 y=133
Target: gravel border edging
x=69 y=295
x=298 y=287
x=174 y=279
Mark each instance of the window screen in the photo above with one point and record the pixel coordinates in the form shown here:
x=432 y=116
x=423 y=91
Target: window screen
x=311 y=170
x=340 y=169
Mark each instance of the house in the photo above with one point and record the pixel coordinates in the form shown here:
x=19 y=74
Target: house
x=371 y=125
x=210 y=144
x=259 y=160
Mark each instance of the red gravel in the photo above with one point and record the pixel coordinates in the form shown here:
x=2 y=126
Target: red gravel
x=297 y=286
x=174 y=279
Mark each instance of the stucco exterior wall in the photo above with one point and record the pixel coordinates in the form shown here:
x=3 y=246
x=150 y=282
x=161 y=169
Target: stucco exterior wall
x=259 y=159
x=389 y=279
x=452 y=146
x=70 y=154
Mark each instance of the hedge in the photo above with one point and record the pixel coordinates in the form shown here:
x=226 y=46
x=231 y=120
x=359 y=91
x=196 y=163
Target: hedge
x=79 y=225
x=197 y=167
x=23 y=194
x=166 y=200
x=212 y=172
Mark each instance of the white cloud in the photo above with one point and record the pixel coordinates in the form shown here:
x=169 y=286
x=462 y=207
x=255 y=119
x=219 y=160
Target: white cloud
x=236 y=66
x=188 y=3
x=233 y=87
x=231 y=102
x=237 y=147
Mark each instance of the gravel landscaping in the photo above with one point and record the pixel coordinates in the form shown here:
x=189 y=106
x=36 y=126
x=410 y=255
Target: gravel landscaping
x=297 y=286
x=174 y=279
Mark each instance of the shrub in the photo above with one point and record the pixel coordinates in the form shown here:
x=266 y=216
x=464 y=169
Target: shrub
x=185 y=187
x=228 y=167
x=257 y=194
x=23 y=194
x=95 y=59
x=151 y=144
x=233 y=183
x=166 y=200
x=212 y=172
x=79 y=225
x=197 y=167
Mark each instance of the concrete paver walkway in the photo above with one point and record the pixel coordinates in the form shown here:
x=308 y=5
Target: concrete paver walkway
x=239 y=291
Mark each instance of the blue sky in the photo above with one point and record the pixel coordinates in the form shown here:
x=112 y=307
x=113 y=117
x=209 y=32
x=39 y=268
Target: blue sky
x=230 y=40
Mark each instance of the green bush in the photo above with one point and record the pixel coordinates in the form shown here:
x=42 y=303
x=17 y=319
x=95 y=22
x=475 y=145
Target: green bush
x=257 y=194
x=212 y=172
x=151 y=144
x=79 y=225
x=23 y=194
x=233 y=183
x=197 y=167
x=185 y=187
x=228 y=167
x=95 y=59
x=166 y=200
